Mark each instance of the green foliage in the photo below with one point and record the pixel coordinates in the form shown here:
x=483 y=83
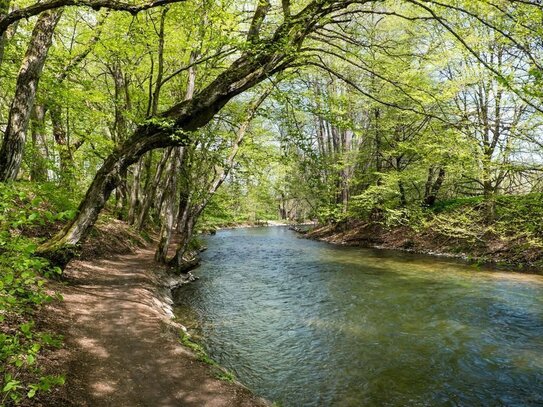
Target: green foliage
x=225 y=376
x=514 y=214
x=23 y=209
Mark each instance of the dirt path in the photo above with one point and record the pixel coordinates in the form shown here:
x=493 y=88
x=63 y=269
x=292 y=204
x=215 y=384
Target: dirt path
x=120 y=353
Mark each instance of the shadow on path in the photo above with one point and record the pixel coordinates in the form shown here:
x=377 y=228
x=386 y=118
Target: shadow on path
x=121 y=352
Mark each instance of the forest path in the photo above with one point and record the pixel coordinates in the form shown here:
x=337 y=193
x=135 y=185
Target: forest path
x=121 y=354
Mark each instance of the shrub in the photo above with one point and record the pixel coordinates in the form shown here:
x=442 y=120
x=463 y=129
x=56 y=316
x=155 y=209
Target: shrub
x=22 y=289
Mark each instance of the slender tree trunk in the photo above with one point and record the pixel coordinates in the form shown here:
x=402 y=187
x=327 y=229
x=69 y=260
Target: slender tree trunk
x=120 y=130
x=403 y=198
x=189 y=219
x=11 y=152
x=135 y=214
x=134 y=203
x=170 y=193
x=169 y=212
x=433 y=188
x=60 y=135
x=38 y=169
x=4 y=10
x=151 y=190
x=160 y=68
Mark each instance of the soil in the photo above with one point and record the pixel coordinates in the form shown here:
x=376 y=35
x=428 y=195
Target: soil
x=491 y=250
x=120 y=347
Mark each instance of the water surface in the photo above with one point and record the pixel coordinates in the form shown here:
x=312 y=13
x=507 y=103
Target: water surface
x=305 y=323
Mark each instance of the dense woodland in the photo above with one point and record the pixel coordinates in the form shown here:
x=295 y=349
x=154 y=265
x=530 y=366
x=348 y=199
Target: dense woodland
x=176 y=116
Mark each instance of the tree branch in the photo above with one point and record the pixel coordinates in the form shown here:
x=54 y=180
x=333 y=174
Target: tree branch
x=258 y=18
x=37 y=8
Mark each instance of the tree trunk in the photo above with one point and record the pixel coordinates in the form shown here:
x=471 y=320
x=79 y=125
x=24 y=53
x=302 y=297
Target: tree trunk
x=134 y=203
x=38 y=168
x=151 y=190
x=11 y=153
x=433 y=188
x=66 y=167
x=4 y=10
x=169 y=207
x=403 y=198
x=170 y=210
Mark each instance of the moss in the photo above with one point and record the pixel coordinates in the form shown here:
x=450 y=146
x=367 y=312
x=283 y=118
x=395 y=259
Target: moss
x=219 y=372
x=59 y=255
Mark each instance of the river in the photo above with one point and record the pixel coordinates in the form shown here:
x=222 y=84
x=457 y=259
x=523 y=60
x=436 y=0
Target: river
x=305 y=323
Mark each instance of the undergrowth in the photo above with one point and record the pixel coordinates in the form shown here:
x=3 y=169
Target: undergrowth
x=27 y=213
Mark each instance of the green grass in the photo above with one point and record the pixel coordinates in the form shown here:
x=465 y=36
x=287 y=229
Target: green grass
x=219 y=372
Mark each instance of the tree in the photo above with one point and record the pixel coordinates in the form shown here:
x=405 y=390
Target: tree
x=173 y=126
x=11 y=152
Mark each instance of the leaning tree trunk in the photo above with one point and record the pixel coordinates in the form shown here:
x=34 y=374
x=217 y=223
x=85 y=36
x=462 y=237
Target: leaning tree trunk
x=105 y=181
x=183 y=118
x=11 y=153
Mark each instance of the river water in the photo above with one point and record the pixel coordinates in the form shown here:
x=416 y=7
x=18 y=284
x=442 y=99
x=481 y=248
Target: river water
x=305 y=323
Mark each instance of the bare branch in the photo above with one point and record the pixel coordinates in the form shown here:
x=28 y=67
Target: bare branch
x=37 y=8
x=472 y=51
x=258 y=18
x=195 y=63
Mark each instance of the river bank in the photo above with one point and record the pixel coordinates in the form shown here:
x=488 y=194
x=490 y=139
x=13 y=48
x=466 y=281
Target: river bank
x=122 y=344
x=488 y=249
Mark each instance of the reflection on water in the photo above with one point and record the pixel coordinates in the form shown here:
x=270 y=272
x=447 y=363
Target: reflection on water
x=309 y=324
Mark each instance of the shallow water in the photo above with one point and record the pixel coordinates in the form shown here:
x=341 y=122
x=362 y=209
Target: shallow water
x=305 y=323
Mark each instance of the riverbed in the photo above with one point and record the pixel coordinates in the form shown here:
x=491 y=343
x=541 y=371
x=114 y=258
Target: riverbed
x=305 y=323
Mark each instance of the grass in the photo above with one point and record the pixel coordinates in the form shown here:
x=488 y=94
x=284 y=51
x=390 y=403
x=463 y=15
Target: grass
x=219 y=372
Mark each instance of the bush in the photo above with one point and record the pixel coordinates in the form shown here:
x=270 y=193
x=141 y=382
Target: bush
x=22 y=289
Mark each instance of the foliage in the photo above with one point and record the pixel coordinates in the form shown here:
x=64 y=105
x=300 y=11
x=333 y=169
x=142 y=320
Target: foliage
x=23 y=291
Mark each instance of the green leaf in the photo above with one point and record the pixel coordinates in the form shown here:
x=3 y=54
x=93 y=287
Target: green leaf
x=11 y=385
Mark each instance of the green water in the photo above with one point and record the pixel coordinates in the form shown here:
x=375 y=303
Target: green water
x=305 y=323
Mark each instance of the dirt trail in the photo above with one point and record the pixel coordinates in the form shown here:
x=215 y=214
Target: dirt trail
x=121 y=354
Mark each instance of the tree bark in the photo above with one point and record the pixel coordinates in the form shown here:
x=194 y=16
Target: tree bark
x=433 y=188
x=38 y=168
x=151 y=190
x=11 y=152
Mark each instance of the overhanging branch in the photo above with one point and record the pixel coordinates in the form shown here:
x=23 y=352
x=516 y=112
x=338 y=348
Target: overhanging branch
x=35 y=9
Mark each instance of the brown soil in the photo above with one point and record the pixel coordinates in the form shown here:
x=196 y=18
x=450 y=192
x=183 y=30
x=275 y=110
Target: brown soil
x=119 y=346
x=490 y=249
